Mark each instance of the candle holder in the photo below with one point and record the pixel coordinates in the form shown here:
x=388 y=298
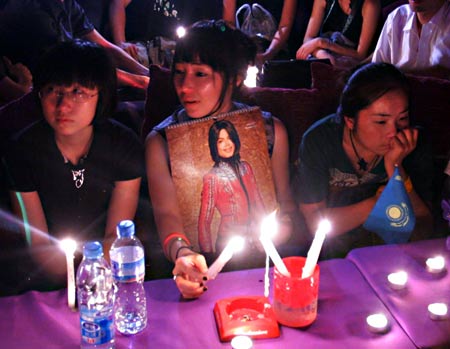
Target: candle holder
x=438 y=311
x=398 y=280
x=377 y=323
x=436 y=264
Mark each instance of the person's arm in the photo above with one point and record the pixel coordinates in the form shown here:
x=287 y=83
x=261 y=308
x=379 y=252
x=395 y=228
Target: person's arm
x=282 y=34
x=190 y=267
x=117 y=23
x=229 y=12
x=43 y=249
x=315 y=22
x=382 y=52
x=18 y=83
x=280 y=168
x=123 y=60
x=122 y=205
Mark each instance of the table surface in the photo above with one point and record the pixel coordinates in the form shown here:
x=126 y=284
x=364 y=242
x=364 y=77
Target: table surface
x=43 y=320
x=410 y=305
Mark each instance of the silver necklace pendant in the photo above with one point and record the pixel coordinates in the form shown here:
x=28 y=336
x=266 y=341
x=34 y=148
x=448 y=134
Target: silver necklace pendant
x=78 y=177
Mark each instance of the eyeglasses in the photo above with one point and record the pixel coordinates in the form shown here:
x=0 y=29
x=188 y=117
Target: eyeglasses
x=76 y=95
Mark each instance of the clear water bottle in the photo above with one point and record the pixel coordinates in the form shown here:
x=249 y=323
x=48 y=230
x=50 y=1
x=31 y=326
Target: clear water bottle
x=95 y=299
x=128 y=267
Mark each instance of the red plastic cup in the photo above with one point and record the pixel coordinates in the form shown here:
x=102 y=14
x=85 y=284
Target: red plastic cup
x=295 y=299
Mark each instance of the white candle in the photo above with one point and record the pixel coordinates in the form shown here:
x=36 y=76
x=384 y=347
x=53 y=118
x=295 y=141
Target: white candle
x=241 y=342
x=316 y=246
x=438 y=311
x=398 y=280
x=377 y=323
x=234 y=245
x=435 y=264
x=252 y=73
x=268 y=228
x=69 y=246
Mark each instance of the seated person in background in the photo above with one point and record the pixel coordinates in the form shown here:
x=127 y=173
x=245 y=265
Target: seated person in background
x=74 y=173
x=446 y=195
x=27 y=29
x=340 y=30
x=416 y=38
x=152 y=18
x=283 y=11
x=345 y=157
x=15 y=80
x=210 y=63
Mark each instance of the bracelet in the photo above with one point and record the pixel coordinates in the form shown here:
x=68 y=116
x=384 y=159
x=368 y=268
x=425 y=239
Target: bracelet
x=182 y=247
x=408 y=185
x=178 y=236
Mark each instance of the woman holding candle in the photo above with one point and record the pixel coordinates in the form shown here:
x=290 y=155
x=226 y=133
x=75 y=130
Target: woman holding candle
x=75 y=172
x=210 y=63
x=231 y=188
x=347 y=157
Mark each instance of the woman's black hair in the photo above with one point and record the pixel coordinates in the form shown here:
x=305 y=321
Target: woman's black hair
x=84 y=63
x=367 y=84
x=213 y=137
x=226 y=50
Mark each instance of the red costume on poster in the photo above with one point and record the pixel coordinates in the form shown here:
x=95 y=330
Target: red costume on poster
x=238 y=201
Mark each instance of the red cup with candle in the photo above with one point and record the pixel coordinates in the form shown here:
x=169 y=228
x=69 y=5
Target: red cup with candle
x=295 y=299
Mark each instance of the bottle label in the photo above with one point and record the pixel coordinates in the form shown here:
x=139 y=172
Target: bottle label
x=97 y=327
x=129 y=271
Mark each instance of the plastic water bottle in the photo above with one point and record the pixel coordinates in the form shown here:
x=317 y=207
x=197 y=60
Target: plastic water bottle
x=95 y=299
x=128 y=266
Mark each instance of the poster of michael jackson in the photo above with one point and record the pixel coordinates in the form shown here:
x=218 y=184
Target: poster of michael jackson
x=223 y=177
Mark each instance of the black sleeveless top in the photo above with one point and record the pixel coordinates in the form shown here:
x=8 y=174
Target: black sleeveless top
x=337 y=21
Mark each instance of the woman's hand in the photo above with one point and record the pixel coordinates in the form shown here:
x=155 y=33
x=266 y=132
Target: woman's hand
x=308 y=48
x=190 y=275
x=402 y=145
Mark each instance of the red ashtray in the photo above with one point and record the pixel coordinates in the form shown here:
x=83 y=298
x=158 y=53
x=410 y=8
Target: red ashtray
x=250 y=316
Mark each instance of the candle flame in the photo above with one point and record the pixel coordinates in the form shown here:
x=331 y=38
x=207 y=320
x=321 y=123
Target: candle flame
x=181 y=31
x=324 y=227
x=237 y=243
x=269 y=226
x=252 y=73
x=68 y=245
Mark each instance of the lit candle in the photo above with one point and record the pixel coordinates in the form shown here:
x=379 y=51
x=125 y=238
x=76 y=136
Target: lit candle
x=314 y=251
x=436 y=264
x=377 y=323
x=234 y=245
x=269 y=228
x=181 y=31
x=252 y=73
x=241 y=342
x=438 y=311
x=69 y=246
x=398 y=280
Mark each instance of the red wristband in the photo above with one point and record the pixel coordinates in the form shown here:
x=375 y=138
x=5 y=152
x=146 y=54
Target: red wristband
x=173 y=236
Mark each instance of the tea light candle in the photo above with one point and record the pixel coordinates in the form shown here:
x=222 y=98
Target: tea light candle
x=241 y=342
x=377 y=323
x=438 y=311
x=234 y=245
x=69 y=246
x=435 y=264
x=398 y=280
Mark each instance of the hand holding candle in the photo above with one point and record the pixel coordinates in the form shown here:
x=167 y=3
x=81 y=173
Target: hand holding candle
x=69 y=246
x=234 y=245
x=269 y=227
x=316 y=246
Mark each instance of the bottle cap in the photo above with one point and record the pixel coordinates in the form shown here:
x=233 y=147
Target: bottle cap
x=92 y=249
x=125 y=229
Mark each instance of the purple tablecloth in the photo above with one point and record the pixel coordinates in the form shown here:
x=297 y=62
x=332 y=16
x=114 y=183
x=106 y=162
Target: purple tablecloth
x=42 y=320
x=409 y=306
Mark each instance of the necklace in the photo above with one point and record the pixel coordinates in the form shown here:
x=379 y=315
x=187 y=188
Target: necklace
x=362 y=163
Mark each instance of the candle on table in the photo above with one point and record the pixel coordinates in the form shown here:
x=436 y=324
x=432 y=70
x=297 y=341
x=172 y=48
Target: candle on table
x=234 y=245
x=69 y=246
x=377 y=323
x=398 y=280
x=438 y=311
x=241 y=342
x=435 y=264
x=269 y=228
x=314 y=251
